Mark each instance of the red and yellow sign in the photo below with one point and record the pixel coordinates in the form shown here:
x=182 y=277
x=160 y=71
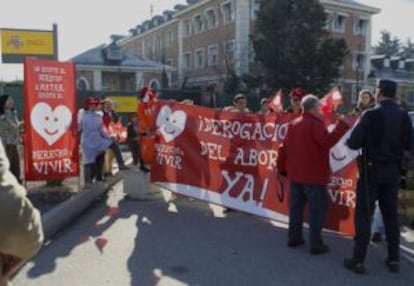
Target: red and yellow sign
x=18 y=44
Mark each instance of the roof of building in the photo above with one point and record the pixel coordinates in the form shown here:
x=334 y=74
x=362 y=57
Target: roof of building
x=99 y=56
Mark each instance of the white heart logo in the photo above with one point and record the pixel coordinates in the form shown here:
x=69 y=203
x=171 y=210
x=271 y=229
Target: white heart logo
x=50 y=124
x=171 y=124
x=341 y=155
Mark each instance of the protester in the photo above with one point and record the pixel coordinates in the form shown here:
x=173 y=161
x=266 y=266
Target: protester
x=133 y=141
x=383 y=134
x=10 y=133
x=264 y=107
x=146 y=110
x=108 y=118
x=296 y=95
x=366 y=101
x=95 y=141
x=21 y=233
x=304 y=158
x=239 y=104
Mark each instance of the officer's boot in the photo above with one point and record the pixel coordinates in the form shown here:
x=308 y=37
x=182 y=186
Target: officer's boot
x=356 y=263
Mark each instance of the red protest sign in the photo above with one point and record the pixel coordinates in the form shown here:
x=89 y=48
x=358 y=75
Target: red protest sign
x=331 y=101
x=275 y=102
x=51 y=142
x=230 y=159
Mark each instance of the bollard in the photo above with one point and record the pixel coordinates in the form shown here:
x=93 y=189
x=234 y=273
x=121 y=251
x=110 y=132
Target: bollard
x=137 y=185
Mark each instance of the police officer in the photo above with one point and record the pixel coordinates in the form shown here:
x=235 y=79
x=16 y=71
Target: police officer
x=383 y=134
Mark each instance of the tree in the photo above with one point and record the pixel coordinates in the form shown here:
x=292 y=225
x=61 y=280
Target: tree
x=408 y=49
x=293 y=46
x=388 y=45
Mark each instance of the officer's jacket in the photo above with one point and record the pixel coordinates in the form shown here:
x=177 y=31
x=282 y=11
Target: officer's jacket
x=384 y=133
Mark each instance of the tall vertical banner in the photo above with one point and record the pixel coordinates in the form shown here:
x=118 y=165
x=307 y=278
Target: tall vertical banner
x=51 y=145
x=230 y=159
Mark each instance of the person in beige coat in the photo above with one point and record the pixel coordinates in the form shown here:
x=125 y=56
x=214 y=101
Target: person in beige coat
x=21 y=234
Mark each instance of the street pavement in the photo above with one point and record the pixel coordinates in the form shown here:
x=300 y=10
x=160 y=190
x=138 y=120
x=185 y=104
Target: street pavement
x=124 y=242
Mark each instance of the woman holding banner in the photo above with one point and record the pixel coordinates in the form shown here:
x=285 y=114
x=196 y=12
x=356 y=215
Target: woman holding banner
x=95 y=141
x=10 y=128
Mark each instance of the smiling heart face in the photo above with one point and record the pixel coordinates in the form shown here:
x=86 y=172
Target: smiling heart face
x=341 y=155
x=171 y=124
x=50 y=124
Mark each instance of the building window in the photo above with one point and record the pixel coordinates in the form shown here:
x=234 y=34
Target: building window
x=255 y=4
x=82 y=83
x=339 y=21
x=360 y=26
x=229 y=51
x=228 y=12
x=158 y=42
x=198 y=24
x=252 y=53
x=410 y=98
x=355 y=93
x=213 y=54
x=187 y=61
x=187 y=28
x=169 y=38
x=328 y=20
x=155 y=84
x=199 y=59
x=211 y=19
x=358 y=62
x=169 y=63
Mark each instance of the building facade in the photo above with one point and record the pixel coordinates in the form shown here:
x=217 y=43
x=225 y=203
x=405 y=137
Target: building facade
x=396 y=69
x=204 y=40
x=112 y=68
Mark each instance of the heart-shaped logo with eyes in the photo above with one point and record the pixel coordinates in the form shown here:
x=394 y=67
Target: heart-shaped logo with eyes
x=341 y=155
x=50 y=124
x=171 y=124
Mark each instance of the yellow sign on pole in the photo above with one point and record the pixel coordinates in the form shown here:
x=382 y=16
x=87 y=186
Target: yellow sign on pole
x=125 y=104
x=17 y=44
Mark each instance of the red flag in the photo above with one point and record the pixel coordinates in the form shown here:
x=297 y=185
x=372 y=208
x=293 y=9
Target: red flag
x=275 y=102
x=331 y=101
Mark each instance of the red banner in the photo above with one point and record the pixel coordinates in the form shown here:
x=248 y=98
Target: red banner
x=230 y=159
x=50 y=142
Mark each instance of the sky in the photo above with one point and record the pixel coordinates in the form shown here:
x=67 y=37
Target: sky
x=90 y=23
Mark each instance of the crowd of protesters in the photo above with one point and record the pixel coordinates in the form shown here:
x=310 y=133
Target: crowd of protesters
x=382 y=134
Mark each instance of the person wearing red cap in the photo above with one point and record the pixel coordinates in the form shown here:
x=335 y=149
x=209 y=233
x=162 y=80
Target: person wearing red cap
x=146 y=109
x=95 y=141
x=146 y=112
x=296 y=96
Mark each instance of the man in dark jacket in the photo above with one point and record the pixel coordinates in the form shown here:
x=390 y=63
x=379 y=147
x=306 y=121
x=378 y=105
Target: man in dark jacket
x=383 y=134
x=304 y=157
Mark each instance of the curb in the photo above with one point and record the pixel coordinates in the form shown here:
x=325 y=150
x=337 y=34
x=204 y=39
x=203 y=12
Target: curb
x=60 y=216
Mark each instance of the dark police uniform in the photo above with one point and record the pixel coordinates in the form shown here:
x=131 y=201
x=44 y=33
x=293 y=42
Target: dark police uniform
x=383 y=133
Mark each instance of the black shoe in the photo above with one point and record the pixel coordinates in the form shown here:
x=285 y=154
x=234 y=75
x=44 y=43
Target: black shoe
x=144 y=169
x=353 y=266
x=123 y=168
x=376 y=237
x=393 y=266
x=292 y=243
x=321 y=249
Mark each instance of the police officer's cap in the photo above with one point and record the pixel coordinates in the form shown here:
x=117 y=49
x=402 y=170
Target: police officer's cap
x=388 y=87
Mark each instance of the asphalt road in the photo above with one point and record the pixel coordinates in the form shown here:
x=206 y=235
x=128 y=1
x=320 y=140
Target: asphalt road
x=123 y=242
